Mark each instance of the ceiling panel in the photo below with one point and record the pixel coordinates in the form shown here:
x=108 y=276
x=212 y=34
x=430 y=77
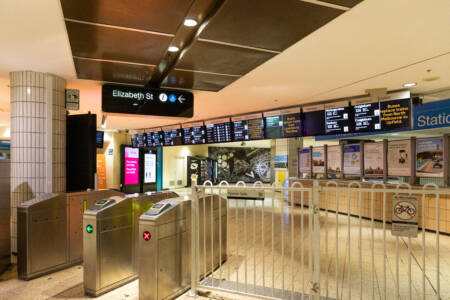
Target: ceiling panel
x=115 y=44
x=197 y=81
x=346 y=3
x=223 y=59
x=154 y=15
x=267 y=24
x=113 y=72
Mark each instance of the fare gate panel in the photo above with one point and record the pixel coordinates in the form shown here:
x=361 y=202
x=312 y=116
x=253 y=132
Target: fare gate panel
x=165 y=245
x=110 y=240
x=49 y=228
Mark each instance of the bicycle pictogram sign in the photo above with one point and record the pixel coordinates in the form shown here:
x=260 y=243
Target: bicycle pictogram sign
x=405 y=210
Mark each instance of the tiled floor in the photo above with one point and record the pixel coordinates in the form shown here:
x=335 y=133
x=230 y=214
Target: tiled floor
x=261 y=268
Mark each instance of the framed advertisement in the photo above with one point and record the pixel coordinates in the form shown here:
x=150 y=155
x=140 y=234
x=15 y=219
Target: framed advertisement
x=334 y=159
x=352 y=159
x=304 y=160
x=430 y=157
x=399 y=158
x=373 y=159
x=318 y=160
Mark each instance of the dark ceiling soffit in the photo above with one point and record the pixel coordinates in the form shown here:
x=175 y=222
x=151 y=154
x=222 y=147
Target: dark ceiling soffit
x=205 y=11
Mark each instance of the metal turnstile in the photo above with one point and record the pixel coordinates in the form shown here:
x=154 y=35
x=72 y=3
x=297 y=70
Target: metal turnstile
x=164 y=244
x=49 y=231
x=110 y=240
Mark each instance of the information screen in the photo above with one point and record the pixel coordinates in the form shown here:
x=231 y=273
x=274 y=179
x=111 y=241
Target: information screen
x=395 y=114
x=193 y=135
x=99 y=139
x=131 y=167
x=149 y=167
x=292 y=125
x=155 y=139
x=249 y=127
x=141 y=140
x=274 y=127
x=134 y=140
x=173 y=137
x=367 y=117
x=313 y=123
x=218 y=132
x=337 y=120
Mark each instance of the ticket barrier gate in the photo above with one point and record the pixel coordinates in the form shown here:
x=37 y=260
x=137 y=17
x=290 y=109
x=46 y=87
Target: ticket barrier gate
x=165 y=245
x=49 y=231
x=110 y=240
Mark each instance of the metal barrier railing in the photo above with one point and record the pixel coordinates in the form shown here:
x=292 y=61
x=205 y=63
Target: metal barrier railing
x=334 y=238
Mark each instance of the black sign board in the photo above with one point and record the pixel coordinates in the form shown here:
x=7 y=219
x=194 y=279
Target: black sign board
x=395 y=114
x=248 y=127
x=218 y=131
x=194 y=133
x=173 y=136
x=337 y=118
x=122 y=99
x=367 y=117
x=313 y=120
x=291 y=122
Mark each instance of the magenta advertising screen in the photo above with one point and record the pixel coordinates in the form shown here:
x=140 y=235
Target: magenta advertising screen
x=131 y=165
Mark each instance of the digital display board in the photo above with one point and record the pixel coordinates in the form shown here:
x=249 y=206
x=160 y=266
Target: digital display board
x=99 y=139
x=194 y=133
x=150 y=167
x=140 y=140
x=248 y=127
x=154 y=137
x=337 y=118
x=131 y=167
x=274 y=125
x=122 y=99
x=134 y=140
x=395 y=114
x=313 y=120
x=367 y=115
x=172 y=135
x=218 y=130
x=291 y=122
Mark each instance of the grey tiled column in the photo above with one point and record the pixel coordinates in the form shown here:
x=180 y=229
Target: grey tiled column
x=38 y=140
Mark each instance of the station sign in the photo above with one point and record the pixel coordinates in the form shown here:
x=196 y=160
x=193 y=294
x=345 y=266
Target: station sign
x=432 y=115
x=134 y=100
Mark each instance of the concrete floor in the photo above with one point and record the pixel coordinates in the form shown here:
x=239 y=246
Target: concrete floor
x=254 y=264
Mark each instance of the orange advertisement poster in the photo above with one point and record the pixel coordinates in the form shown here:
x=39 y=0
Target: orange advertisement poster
x=101 y=171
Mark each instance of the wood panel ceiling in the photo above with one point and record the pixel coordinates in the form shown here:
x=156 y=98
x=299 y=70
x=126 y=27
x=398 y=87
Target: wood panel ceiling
x=127 y=41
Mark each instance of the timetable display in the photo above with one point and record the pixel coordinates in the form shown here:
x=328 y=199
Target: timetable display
x=218 y=132
x=154 y=138
x=172 y=135
x=367 y=117
x=194 y=133
x=249 y=127
x=140 y=140
x=337 y=118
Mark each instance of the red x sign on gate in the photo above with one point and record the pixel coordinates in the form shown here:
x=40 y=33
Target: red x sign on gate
x=147 y=236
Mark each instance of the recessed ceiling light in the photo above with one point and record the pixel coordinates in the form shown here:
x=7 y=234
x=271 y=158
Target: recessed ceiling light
x=173 y=49
x=409 y=84
x=190 y=22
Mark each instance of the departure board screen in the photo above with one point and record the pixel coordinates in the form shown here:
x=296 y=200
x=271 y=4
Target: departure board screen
x=367 y=117
x=194 y=134
x=218 y=132
x=337 y=119
x=274 y=127
x=248 y=127
x=313 y=122
x=155 y=139
x=140 y=140
x=395 y=114
x=292 y=125
x=172 y=136
x=134 y=140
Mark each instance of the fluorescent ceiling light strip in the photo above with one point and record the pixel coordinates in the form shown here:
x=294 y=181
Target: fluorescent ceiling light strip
x=238 y=46
x=119 y=27
x=205 y=72
x=114 y=61
x=321 y=3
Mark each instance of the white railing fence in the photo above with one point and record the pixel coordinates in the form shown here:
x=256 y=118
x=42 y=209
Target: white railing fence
x=289 y=242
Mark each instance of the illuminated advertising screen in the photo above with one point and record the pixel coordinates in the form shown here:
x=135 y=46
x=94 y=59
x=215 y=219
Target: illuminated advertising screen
x=131 y=166
x=149 y=168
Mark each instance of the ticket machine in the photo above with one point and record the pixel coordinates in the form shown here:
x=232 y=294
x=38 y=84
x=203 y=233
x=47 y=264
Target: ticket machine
x=165 y=244
x=110 y=240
